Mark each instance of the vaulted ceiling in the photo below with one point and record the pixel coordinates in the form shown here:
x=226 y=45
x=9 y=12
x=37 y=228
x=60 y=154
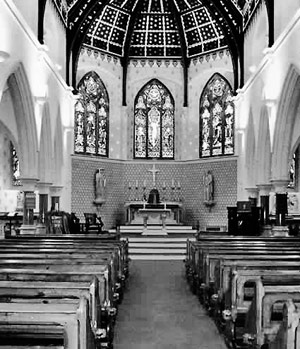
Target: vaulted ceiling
x=164 y=29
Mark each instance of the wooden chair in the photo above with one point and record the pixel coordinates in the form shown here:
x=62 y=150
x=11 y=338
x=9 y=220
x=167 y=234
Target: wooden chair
x=93 y=224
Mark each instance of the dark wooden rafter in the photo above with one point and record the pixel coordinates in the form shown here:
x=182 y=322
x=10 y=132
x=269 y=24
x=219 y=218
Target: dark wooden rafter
x=41 y=15
x=233 y=34
x=185 y=60
x=77 y=32
x=270 y=12
x=126 y=49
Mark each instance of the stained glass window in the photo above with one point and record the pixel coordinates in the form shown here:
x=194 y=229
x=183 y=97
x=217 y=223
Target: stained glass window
x=216 y=118
x=92 y=117
x=154 y=122
x=15 y=166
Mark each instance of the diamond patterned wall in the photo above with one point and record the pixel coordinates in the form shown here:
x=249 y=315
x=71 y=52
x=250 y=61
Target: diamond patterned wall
x=189 y=175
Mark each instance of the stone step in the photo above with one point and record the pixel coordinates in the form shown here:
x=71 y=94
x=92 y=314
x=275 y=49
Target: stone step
x=157 y=257
x=164 y=239
x=157 y=245
x=156 y=251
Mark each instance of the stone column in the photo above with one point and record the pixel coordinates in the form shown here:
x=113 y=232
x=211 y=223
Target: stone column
x=280 y=188
x=43 y=207
x=28 y=226
x=264 y=196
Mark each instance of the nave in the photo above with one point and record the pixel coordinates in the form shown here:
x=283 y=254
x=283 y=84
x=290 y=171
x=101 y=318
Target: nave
x=160 y=312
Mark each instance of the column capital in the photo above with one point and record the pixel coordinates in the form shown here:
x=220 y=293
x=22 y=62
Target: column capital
x=280 y=185
x=55 y=190
x=29 y=184
x=252 y=191
x=264 y=189
x=43 y=187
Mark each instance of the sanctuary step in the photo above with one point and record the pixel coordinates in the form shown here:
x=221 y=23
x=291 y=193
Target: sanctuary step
x=155 y=245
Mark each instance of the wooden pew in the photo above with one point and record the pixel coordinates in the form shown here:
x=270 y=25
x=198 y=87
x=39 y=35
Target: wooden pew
x=265 y=314
x=288 y=335
x=58 y=319
x=56 y=259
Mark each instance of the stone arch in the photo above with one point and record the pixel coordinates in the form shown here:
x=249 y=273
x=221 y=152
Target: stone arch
x=263 y=149
x=286 y=115
x=45 y=152
x=250 y=148
x=23 y=106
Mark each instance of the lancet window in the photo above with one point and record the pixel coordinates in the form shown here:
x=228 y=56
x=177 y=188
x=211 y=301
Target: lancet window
x=15 y=166
x=216 y=118
x=92 y=117
x=154 y=122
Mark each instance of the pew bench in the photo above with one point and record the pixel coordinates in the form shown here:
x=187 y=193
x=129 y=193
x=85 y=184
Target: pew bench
x=68 y=321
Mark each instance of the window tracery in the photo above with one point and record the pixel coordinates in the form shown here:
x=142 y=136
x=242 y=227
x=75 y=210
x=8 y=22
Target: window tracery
x=154 y=122
x=15 y=166
x=92 y=117
x=216 y=118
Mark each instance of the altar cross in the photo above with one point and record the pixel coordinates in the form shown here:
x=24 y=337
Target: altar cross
x=154 y=171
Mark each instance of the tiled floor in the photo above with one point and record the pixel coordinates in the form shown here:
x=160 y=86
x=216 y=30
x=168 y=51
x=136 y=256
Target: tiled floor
x=160 y=312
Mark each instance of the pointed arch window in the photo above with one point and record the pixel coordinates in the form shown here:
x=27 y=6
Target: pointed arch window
x=216 y=118
x=92 y=117
x=15 y=166
x=154 y=122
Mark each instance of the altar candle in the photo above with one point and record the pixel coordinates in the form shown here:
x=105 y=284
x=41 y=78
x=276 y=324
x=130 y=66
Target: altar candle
x=173 y=183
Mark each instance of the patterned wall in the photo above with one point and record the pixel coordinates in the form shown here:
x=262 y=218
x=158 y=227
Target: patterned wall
x=189 y=173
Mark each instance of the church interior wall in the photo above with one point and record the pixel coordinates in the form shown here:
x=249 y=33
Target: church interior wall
x=83 y=189
x=55 y=38
x=284 y=14
x=256 y=40
x=29 y=13
x=32 y=79
x=188 y=175
x=110 y=72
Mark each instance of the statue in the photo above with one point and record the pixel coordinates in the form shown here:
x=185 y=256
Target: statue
x=208 y=181
x=100 y=184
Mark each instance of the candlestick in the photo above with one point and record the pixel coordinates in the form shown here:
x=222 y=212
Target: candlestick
x=173 y=183
x=178 y=185
x=145 y=183
x=164 y=185
x=136 y=183
x=129 y=185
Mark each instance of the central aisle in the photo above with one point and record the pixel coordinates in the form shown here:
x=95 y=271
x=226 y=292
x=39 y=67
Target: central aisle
x=160 y=312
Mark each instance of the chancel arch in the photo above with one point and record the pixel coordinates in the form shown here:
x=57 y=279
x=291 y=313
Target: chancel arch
x=92 y=117
x=154 y=122
x=216 y=118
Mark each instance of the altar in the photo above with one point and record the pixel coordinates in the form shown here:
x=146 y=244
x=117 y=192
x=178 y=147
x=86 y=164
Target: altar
x=162 y=214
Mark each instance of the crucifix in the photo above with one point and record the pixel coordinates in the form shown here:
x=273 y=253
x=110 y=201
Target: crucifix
x=153 y=171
